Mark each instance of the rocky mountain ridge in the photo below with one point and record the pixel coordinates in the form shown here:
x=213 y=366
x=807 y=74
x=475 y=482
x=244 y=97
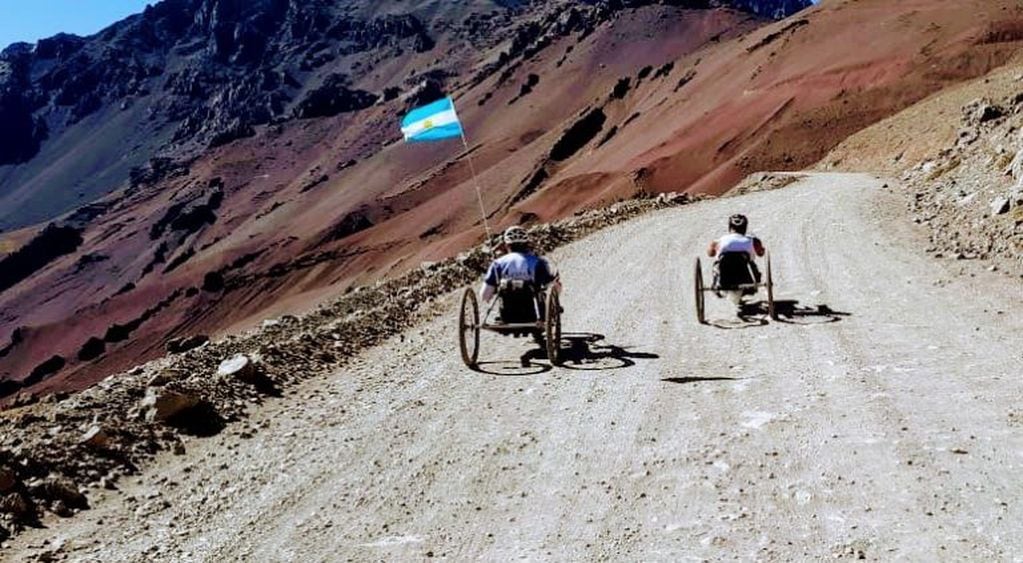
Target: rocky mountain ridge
x=202 y=73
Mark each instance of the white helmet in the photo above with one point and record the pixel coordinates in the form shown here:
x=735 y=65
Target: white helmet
x=516 y=235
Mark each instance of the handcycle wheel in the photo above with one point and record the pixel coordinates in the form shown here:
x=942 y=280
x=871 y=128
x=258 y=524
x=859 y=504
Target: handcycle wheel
x=552 y=325
x=699 y=294
x=771 y=311
x=469 y=329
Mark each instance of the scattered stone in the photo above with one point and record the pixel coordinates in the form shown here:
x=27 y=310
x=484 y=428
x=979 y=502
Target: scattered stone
x=163 y=404
x=182 y=345
x=982 y=111
x=96 y=437
x=61 y=489
x=159 y=379
x=15 y=505
x=241 y=367
x=1000 y=206
x=60 y=508
x=24 y=399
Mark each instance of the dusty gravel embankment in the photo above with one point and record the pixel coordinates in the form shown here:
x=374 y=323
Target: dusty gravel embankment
x=881 y=418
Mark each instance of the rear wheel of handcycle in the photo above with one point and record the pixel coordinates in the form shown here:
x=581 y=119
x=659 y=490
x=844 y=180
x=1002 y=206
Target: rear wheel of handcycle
x=469 y=329
x=699 y=294
x=771 y=311
x=552 y=326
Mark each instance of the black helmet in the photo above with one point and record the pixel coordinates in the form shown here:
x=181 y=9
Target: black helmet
x=738 y=223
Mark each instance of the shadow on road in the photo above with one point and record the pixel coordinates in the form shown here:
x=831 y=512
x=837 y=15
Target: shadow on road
x=587 y=351
x=511 y=368
x=755 y=314
x=687 y=380
x=738 y=323
x=791 y=312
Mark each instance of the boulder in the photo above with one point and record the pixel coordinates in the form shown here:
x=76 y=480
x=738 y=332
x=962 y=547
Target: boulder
x=1000 y=206
x=61 y=489
x=163 y=404
x=982 y=111
x=96 y=437
x=159 y=379
x=332 y=98
x=240 y=367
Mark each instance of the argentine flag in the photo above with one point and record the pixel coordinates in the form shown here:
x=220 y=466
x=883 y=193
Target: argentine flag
x=432 y=122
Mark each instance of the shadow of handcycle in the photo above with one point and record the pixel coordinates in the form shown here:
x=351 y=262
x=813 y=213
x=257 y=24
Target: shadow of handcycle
x=579 y=351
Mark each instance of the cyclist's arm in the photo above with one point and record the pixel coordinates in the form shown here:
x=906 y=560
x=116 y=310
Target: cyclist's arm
x=544 y=274
x=712 y=250
x=758 y=247
x=490 y=282
x=487 y=292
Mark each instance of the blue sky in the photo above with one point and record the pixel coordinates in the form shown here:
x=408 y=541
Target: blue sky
x=31 y=20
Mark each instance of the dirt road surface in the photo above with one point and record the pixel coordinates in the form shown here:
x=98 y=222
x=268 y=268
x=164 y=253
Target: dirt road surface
x=882 y=417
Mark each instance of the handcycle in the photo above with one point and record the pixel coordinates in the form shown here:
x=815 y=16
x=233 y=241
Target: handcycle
x=735 y=277
x=526 y=310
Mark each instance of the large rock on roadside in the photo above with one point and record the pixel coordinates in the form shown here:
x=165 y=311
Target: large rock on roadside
x=240 y=367
x=163 y=404
x=182 y=345
x=1000 y=206
x=982 y=111
x=61 y=489
x=96 y=437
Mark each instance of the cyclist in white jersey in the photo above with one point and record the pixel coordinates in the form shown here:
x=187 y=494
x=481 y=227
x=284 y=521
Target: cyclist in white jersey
x=737 y=242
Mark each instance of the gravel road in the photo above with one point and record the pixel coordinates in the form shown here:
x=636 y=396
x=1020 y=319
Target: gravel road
x=880 y=417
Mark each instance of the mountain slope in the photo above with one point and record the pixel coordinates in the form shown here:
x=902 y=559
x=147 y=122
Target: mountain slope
x=585 y=106
x=186 y=75
x=198 y=243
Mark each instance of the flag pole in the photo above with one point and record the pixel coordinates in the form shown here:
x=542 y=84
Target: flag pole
x=472 y=169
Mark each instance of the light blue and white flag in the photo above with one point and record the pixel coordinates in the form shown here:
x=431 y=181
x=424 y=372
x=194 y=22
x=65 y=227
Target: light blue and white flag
x=432 y=122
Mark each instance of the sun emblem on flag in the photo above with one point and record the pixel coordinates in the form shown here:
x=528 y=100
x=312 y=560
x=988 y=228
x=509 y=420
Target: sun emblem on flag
x=428 y=124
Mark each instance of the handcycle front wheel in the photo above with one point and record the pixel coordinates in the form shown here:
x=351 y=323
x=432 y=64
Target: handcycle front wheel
x=771 y=310
x=552 y=325
x=699 y=294
x=469 y=329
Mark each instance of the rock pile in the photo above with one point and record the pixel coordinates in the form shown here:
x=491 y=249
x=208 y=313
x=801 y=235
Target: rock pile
x=970 y=194
x=53 y=451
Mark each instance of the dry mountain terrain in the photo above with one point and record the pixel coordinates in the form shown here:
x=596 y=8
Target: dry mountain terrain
x=876 y=418
x=577 y=105
x=568 y=107
x=879 y=419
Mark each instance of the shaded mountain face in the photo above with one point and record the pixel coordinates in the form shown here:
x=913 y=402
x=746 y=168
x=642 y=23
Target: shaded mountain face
x=776 y=9
x=187 y=75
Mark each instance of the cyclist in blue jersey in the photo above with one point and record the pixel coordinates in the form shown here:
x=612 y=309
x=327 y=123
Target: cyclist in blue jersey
x=519 y=267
